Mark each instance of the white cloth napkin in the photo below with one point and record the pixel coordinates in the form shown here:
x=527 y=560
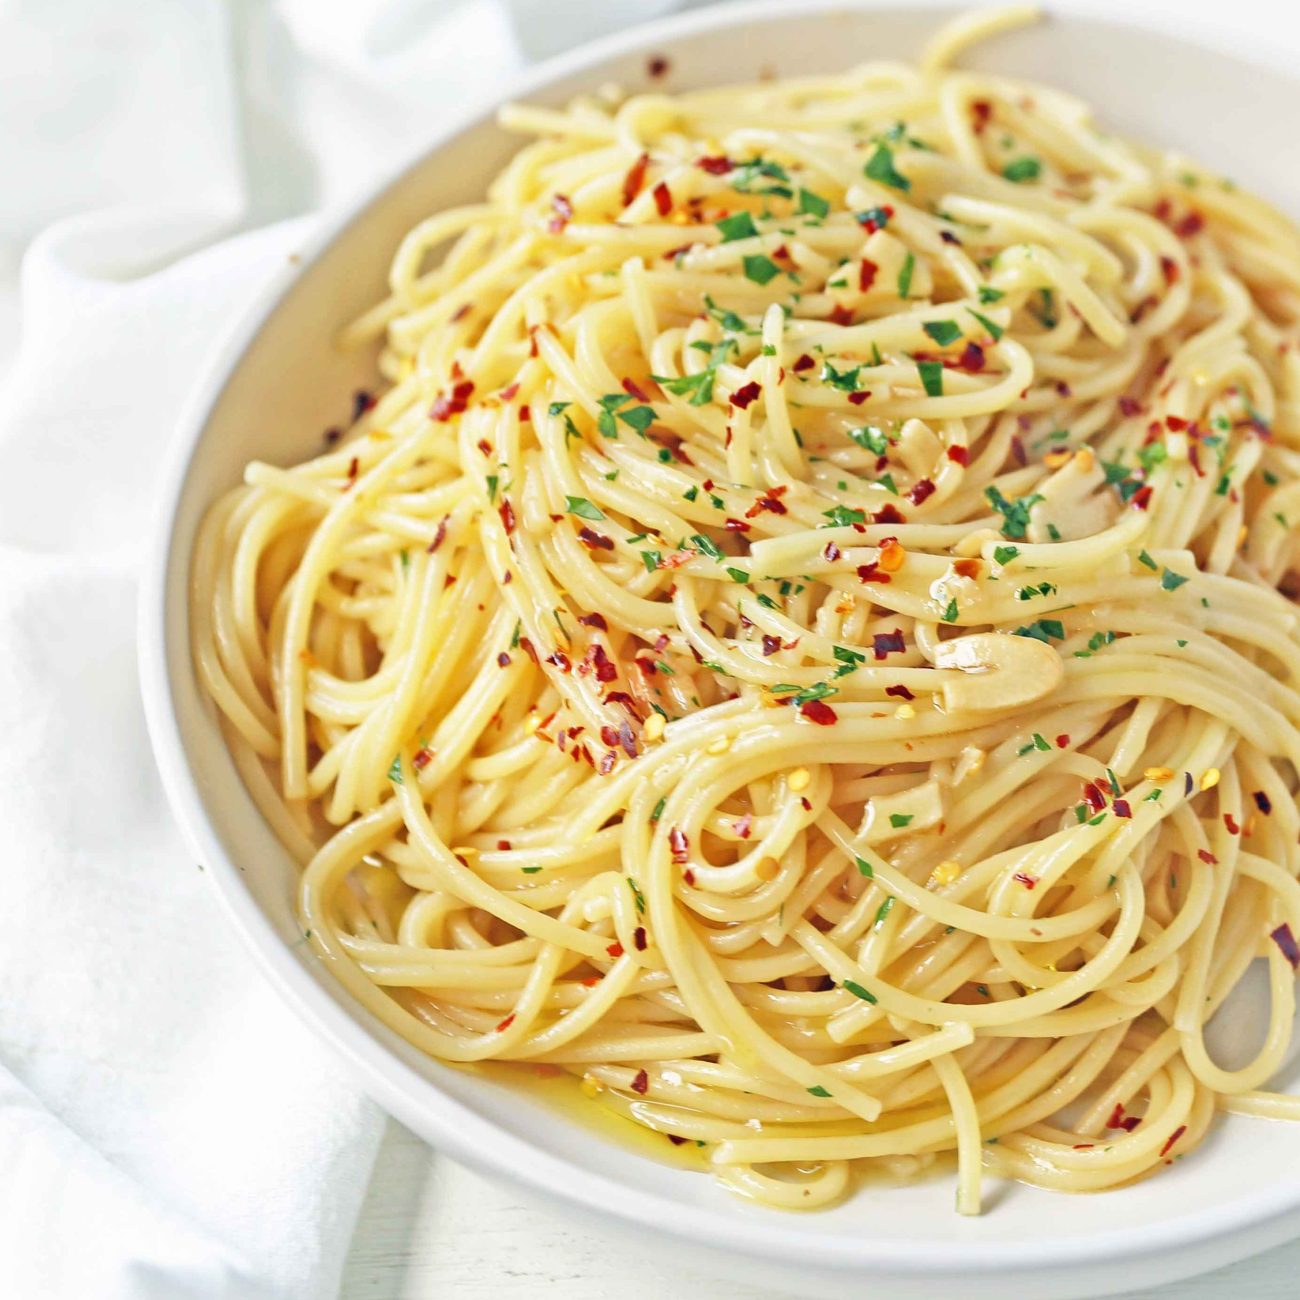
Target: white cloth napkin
x=167 y=1129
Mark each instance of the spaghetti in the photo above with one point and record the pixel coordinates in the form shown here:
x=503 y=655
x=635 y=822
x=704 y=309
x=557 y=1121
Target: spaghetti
x=802 y=642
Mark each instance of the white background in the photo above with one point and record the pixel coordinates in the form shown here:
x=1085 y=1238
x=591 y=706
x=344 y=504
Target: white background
x=432 y=1229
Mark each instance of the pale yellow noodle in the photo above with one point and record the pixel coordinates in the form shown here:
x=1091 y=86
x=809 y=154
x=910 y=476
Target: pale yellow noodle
x=803 y=643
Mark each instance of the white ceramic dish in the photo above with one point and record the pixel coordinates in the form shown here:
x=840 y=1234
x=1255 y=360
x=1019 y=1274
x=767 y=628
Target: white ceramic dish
x=278 y=382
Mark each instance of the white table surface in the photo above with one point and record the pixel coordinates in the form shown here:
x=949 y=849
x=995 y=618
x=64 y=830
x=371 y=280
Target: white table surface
x=430 y=1228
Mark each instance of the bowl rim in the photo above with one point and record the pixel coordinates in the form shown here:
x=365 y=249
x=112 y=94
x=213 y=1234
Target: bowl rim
x=399 y=1089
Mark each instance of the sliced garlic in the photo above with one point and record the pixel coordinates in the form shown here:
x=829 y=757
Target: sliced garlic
x=993 y=670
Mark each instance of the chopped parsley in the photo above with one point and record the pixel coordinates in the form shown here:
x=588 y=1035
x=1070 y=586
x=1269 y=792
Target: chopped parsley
x=1024 y=169
x=583 y=508
x=931 y=373
x=880 y=167
x=760 y=269
x=740 y=225
x=813 y=205
x=943 y=332
x=905 y=275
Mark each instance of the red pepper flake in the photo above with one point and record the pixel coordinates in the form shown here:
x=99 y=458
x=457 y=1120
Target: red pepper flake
x=1231 y=823
x=606 y=669
x=856 y=399
x=503 y=846
x=639 y=939
x=1083 y=1146
x=421 y=758
x=607 y=761
x=715 y=165
x=596 y=541
x=735 y=525
x=594 y=620
x=840 y=316
x=641 y=1083
x=362 y=402
x=439 y=534
x=563 y=211
x=1142 y=498
x=971 y=359
x=1129 y=407
x=899 y=692
x=657 y=66
x=1062 y=741
x=1119 y=1120
x=1206 y=856
x=1285 y=940
x=966 y=568
x=1182 y=1128
x=635 y=389
x=615 y=950
x=671 y=254
x=1176 y=423
x=626 y=738
x=561 y=661
x=506 y=1023
x=921 y=491
x=1192 y=224
x=635 y=179
x=663 y=199
x=1093 y=796
x=820 y=712
x=503 y=660
x=1262 y=802
x=507 y=394
x=889 y=514
x=980 y=112
x=445 y=405
x=591 y=981
x=830 y=552
x=742 y=397
x=1028 y=881
x=866 y=274
x=770 y=503
x=959 y=455
x=887 y=643
x=1121 y=809
x=525 y=415
x=871 y=573
x=771 y=644
x=507 y=513
x=688 y=876
x=354 y=466
x=744 y=827
x=805 y=362
x=679 y=845
x=1170 y=268
x=1018 y=452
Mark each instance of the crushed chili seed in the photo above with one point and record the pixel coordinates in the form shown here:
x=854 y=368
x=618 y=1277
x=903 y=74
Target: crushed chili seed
x=1174 y=1136
x=635 y=179
x=663 y=199
x=819 y=711
x=445 y=405
x=887 y=643
x=563 y=211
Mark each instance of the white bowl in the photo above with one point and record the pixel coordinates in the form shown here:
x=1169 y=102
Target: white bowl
x=278 y=382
